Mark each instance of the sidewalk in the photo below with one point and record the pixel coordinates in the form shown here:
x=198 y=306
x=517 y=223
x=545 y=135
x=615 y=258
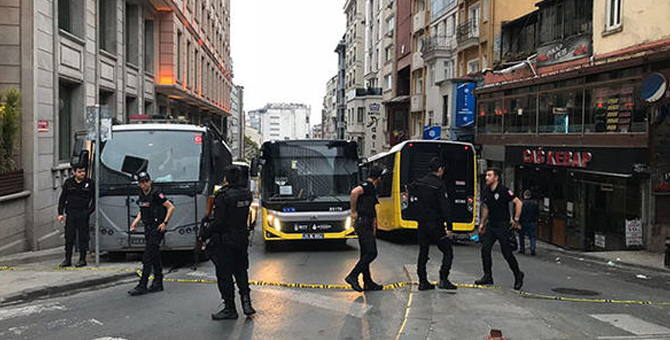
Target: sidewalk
x=628 y=258
x=33 y=275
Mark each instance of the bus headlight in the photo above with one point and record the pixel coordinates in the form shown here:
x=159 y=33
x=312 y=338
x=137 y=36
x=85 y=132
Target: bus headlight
x=347 y=223
x=277 y=224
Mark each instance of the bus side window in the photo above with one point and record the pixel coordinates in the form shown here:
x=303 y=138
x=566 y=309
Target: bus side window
x=220 y=159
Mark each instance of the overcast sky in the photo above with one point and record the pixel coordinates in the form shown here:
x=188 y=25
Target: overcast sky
x=283 y=51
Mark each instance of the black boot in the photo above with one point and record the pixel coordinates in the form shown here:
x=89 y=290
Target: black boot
x=66 y=263
x=229 y=312
x=518 y=280
x=426 y=285
x=485 y=280
x=445 y=283
x=370 y=286
x=140 y=289
x=82 y=261
x=246 y=305
x=353 y=281
x=156 y=286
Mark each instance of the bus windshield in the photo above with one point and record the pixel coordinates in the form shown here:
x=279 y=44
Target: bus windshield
x=174 y=156
x=308 y=171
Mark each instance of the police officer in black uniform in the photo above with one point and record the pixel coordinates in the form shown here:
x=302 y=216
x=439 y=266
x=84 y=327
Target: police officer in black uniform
x=228 y=237
x=363 y=202
x=434 y=211
x=495 y=209
x=77 y=201
x=155 y=213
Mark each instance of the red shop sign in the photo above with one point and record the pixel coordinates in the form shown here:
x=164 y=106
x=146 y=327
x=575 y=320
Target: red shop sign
x=557 y=158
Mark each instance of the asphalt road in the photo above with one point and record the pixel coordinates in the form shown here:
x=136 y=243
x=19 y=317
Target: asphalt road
x=183 y=310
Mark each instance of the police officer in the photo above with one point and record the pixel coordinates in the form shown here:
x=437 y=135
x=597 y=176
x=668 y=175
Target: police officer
x=77 y=201
x=155 y=213
x=229 y=239
x=495 y=209
x=363 y=202
x=434 y=212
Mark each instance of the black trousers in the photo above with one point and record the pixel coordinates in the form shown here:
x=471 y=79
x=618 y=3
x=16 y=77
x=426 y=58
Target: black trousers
x=151 y=260
x=76 y=227
x=502 y=235
x=231 y=260
x=433 y=233
x=368 y=246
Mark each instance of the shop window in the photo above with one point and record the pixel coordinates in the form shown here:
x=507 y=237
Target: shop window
x=489 y=119
x=613 y=109
x=561 y=112
x=520 y=114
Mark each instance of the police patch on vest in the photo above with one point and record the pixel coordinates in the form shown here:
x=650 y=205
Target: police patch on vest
x=161 y=196
x=510 y=192
x=496 y=196
x=145 y=204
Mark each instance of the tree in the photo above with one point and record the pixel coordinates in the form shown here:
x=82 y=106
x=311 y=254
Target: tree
x=251 y=149
x=9 y=129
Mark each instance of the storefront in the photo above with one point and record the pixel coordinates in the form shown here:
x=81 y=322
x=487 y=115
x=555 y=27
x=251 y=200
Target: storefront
x=590 y=198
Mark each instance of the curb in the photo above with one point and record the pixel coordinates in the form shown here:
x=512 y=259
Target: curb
x=603 y=261
x=33 y=257
x=46 y=291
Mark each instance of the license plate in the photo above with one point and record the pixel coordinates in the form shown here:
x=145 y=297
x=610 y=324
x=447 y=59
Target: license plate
x=312 y=236
x=137 y=240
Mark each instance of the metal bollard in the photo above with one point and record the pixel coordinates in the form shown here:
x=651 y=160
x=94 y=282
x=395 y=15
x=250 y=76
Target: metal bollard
x=667 y=253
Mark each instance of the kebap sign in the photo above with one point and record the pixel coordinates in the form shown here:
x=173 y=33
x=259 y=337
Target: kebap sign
x=608 y=160
x=557 y=158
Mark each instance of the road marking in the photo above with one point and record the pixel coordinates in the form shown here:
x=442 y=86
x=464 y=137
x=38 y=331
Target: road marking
x=29 y=310
x=636 y=337
x=355 y=309
x=633 y=325
x=404 y=320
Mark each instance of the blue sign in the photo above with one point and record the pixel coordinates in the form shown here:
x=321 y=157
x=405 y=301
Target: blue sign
x=432 y=132
x=653 y=88
x=465 y=104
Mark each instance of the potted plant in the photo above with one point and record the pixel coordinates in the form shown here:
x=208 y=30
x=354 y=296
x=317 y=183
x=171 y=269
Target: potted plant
x=11 y=177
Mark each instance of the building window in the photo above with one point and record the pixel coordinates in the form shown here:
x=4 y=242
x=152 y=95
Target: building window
x=613 y=15
x=473 y=66
x=613 y=109
x=419 y=85
x=107 y=19
x=561 y=112
x=564 y=19
x=132 y=34
x=445 y=110
x=179 y=75
x=448 y=69
x=360 y=114
x=474 y=20
x=65 y=94
x=188 y=79
x=388 y=52
x=196 y=76
x=520 y=114
x=389 y=81
x=390 y=25
x=149 y=46
x=64 y=15
x=132 y=106
x=485 y=11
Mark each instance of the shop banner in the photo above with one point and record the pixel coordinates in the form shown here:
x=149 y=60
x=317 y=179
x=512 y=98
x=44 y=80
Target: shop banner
x=565 y=50
x=465 y=104
x=432 y=132
x=633 y=233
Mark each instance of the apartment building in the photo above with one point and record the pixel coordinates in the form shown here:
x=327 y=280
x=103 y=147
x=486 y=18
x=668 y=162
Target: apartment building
x=398 y=107
x=576 y=110
x=329 y=110
x=236 y=122
x=139 y=59
x=284 y=121
x=439 y=54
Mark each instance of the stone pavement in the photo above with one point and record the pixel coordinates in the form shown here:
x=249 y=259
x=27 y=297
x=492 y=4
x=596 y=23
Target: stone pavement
x=22 y=282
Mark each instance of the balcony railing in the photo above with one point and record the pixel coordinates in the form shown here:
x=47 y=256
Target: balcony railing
x=439 y=46
x=468 y=32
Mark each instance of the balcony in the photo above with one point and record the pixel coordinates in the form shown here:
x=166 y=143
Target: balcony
x=438 y=47
x=417 y=61
x=416 y=104
x=467 y=34
x=419 y=21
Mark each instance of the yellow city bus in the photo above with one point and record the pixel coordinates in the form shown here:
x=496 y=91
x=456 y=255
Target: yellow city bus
x=407 y=162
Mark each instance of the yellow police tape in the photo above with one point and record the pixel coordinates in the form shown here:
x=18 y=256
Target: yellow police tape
x=392 y=286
